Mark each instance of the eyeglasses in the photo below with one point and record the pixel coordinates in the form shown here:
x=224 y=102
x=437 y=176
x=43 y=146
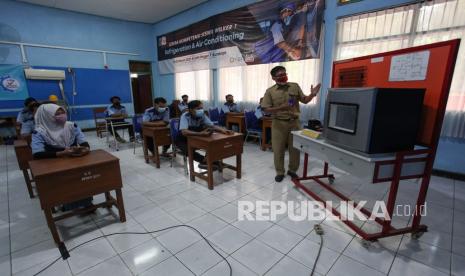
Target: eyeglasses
x=285 y=10
x=281 y=75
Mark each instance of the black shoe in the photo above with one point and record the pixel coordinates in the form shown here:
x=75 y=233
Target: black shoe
x=279 y=178
x=204 y=166
x=292 y=174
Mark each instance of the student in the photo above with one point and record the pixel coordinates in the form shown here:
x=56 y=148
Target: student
x=157 y=116
x=194 y=122
x=282 y=101
x=230 y=105
x=183 y=105
x=54 y=137
x=118 y=111
x=26 y=116
x=174 y=109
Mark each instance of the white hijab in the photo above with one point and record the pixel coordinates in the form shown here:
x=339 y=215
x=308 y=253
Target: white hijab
x=55 y=134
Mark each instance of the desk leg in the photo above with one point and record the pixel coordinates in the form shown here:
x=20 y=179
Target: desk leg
x=146 y=151
x=108 y=198
x=156 y=154
x=210 y=172
x=263 y=137
x=51 y=225
x=28 y=183
x=191 y=162
x=239 y=166
x=119 y=201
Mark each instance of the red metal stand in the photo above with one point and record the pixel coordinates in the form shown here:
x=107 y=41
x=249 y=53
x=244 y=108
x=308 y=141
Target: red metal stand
x=387 y=228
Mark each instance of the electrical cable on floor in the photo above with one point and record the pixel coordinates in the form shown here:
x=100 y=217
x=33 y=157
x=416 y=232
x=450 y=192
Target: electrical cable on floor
x=319 y=231
x=64 y=253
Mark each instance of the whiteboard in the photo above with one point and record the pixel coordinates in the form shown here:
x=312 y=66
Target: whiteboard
x=409 y=67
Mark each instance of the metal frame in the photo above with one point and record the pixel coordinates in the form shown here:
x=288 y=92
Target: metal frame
x=425 y=155
x=388 y=230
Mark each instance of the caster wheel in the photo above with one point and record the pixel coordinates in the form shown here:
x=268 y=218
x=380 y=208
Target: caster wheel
x=366 y=244
x=417 y=235
x=331 y=180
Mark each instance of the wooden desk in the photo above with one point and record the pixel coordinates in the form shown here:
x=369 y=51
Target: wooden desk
x=235 y=119
x=65 y=180
x=161 y=136
x=266 y=124
x=24 y=155
x=217 y=147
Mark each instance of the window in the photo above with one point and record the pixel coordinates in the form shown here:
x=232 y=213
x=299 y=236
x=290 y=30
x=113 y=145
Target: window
x=196 y=84
x=249 y=83
x=407 y=26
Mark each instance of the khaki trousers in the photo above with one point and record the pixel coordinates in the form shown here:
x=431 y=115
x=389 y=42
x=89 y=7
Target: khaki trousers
x=281 y=136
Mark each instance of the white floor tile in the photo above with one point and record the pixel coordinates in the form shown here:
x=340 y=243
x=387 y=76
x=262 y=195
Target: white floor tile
x=89 y=255
x=404 y=266
x=253 y=227
x=60 y=268
x=199 y=257
x=458 y=265
x=306 y=251
x=280 y=238
x=178 y=239
x=208 y=224
x=332 y=239
x=210 y=203
x=375 y=256
x=228 y=213
x=187 y=213
x=34 y=255
x=171 y=267
x=229 y=239
x=347 y=266
x=113 y=267
x=426 y=254
x=125 y=242
x=287 y=266
x=144 y=256
x=223 y=269
x=257 y=256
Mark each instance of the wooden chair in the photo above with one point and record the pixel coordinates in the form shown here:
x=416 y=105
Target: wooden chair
x=99 y=118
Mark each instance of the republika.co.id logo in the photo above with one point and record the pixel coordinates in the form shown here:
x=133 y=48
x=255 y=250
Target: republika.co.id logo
x=9 y=84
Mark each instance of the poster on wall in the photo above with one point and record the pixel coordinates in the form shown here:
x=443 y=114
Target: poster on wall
x=265 y=32
x=12 y=83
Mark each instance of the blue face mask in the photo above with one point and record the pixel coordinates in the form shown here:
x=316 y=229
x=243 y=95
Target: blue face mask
x=161 y=109
x=199 y=113
x=287 y=20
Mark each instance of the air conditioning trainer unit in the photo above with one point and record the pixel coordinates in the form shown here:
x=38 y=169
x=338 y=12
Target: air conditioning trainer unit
x=43 y=74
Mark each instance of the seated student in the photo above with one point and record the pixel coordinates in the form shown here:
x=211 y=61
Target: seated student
x=26 y=116
x=183 y=105
x=230 y=105
x=174 y=109
x=157 y=116
x=54 y=137
x=118 y=111
x=196 y=123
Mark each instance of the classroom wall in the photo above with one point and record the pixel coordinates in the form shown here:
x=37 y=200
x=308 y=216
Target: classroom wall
x=450 y=153
x=28 y=23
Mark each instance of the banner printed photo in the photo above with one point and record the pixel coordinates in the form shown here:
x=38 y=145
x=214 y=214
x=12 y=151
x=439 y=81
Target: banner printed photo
x=265 y=32
x=12 y=83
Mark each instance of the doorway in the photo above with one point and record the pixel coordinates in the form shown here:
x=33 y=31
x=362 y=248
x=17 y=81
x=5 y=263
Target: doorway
x=141 y=83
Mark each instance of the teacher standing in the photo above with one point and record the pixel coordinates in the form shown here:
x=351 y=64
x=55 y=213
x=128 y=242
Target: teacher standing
x=282 y=101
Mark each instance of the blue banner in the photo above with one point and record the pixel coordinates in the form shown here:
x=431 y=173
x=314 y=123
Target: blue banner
x=12 y=83
x=265 y=32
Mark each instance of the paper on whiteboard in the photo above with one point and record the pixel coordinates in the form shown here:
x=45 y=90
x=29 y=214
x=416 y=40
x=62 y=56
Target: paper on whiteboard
x=409 y=67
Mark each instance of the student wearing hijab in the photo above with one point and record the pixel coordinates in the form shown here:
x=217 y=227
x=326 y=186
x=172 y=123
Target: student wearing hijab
x=54 y=137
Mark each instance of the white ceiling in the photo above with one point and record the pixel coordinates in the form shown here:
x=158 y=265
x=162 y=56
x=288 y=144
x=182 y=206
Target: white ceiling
x=146 y=11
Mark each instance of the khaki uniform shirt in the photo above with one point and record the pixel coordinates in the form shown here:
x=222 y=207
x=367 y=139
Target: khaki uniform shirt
x=278 y=95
